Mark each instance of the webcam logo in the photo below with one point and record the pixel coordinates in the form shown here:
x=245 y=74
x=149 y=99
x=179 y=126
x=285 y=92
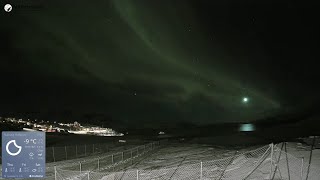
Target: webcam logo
x=8 y=8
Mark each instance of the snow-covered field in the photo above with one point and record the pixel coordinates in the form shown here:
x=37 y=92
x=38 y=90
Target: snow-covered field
x=192 y=161
x=182 y=161
x=300 y=150
x=182 y=156
x=173 y=155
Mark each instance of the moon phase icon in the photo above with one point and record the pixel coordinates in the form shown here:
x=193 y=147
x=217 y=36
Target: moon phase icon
x=15 y=144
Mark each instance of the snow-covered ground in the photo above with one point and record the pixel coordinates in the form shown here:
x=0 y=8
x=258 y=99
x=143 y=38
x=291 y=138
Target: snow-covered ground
x=301 y=150
x=181 y=154
x=176 y=160
x=183 y=158
x=173 y=155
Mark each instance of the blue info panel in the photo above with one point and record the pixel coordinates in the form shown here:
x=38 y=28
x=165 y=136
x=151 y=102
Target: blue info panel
x=23 y=154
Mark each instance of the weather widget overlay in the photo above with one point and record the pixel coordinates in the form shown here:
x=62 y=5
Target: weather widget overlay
x=23 y=154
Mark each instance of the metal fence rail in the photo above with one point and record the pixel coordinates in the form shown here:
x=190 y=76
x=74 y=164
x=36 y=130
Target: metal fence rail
x=62 y=153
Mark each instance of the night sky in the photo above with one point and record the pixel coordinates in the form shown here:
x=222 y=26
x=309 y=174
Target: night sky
x=160 y=61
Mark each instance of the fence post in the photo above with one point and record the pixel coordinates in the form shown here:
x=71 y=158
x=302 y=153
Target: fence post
x=277 y=163
x=98 y=163
x=85 y=150
x=76 y=151
x=131 y=157
x=65 y=150
x=88 y=175
x=302 y=168
x=271 y=157
x=54 y=158
x=122 y=156
x=201 y=170
x=285 y=149
x=80 y=167
x=55 y=172
x=310 y=157
x=137 y=174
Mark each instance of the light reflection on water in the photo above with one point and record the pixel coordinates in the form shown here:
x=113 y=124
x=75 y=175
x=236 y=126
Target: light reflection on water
x=247 y=127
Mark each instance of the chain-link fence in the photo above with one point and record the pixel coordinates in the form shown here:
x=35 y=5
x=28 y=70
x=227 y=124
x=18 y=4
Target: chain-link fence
x=267 y=162
x=81 y=168
x=98 y=167
x=54 y=154
x=286 y=166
